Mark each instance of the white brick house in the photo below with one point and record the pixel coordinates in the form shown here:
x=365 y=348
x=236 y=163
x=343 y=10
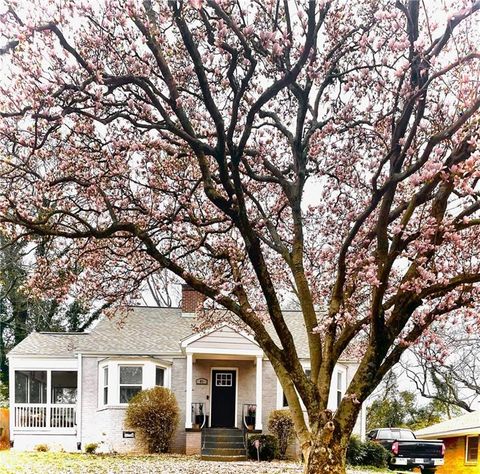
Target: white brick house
x=70 y=389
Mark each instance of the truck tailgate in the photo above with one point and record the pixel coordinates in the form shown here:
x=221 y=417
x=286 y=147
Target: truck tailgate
x=420 y=449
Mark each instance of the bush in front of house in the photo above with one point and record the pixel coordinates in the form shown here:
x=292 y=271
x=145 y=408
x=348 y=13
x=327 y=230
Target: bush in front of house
x=280 y=423
x=268 y=447
x=91 y=448
x=42 y=448
x=154 y=415
x=366 y=454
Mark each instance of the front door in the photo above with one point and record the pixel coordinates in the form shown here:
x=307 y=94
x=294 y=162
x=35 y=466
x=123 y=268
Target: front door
x=224 y=389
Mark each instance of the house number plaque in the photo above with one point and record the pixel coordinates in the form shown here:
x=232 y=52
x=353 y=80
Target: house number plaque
x=202 y=381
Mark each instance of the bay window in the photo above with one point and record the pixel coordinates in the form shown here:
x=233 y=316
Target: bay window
x=130 y=382
x=159 y=376
x=119 y=380
x=105 y=385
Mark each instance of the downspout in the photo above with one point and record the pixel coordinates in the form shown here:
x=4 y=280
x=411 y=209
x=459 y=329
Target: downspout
x=79 y=402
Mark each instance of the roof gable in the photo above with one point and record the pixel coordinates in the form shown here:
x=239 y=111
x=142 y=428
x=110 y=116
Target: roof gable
x=221 y=337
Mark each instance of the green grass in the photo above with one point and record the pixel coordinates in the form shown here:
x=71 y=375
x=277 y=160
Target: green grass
x=13 y=462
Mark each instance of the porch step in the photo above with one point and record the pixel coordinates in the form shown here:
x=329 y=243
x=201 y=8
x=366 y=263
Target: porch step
x=223 y=439
x=223 y=451
x=224 y=458
x=223 y=444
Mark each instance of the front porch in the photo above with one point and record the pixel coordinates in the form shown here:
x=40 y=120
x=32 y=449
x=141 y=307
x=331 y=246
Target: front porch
x=224 y=374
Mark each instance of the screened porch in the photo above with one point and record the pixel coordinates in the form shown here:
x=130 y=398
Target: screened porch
x=45 y=399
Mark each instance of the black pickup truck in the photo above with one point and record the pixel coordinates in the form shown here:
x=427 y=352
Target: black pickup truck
x=407 y=451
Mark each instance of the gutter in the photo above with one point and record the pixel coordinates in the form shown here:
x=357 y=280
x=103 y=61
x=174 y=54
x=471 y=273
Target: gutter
x=450 y=433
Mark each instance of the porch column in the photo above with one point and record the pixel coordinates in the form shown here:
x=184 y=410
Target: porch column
x=49 y=399
x=188 y=394
x=258 y=393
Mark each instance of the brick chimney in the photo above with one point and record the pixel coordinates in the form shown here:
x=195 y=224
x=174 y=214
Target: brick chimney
x=191 y=300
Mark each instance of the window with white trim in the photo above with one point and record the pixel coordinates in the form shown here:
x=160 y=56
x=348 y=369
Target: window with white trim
x=339 y=387
x=159 y=376
x=131 y=378
x=223 y=379
x=105 y=385
x=308 y=373
x=471 y=450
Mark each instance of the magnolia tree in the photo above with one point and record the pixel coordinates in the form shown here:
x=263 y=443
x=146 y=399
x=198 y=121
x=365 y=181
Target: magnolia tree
x=450 y=377
x=254 y=148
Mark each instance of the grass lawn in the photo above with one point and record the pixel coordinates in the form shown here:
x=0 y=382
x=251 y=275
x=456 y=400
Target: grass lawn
x=12 y=462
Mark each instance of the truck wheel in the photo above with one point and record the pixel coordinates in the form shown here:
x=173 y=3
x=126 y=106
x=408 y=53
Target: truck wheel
x=428 y=470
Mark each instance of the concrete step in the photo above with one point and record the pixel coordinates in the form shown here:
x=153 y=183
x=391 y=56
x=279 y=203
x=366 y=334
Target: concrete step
x=223 y=431
x=223 y=444
x=223 y=439
x=223 y=452
x=223 y=458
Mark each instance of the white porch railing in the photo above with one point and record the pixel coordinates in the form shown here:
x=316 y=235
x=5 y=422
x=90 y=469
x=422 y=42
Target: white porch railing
x=31 y=416
x=38 y=416
x=62 y=416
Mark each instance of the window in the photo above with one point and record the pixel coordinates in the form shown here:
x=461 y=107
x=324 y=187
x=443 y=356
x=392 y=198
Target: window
x=471 y=449
x=339 y=388
x=223 y=379
x=159 y=376
x=308 y=373
x=30 y=386
x=406 y=434
x=130 y=382
x=105 y=385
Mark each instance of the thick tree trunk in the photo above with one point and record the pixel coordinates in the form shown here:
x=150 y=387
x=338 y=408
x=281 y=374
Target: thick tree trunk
x=325 y=454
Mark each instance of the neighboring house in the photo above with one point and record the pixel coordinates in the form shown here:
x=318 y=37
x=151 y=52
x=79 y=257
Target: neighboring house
x=460 y=436
x=70 y=389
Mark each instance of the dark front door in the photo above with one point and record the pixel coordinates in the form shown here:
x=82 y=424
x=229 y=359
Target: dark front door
x=224 y=384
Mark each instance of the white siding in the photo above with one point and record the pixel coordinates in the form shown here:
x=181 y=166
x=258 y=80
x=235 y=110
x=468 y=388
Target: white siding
x=224 y=338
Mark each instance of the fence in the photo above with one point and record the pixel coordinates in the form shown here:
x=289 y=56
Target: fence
x=4 y=428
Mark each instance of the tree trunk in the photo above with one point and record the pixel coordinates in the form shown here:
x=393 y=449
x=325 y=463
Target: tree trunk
x=325 y=454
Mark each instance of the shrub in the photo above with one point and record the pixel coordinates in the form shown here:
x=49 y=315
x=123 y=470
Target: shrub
x=366 y=454
x=154 y=414
x=90 y=448
x=42 y=448
x=268 y=448
x=280 y=423
x=355 y=451
x=375 y=454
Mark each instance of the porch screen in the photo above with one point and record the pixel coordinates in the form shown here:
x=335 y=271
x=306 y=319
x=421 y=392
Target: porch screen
x=30 y=386
x=64 y=387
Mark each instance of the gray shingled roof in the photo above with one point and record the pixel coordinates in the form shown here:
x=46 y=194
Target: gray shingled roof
x=145 y=331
